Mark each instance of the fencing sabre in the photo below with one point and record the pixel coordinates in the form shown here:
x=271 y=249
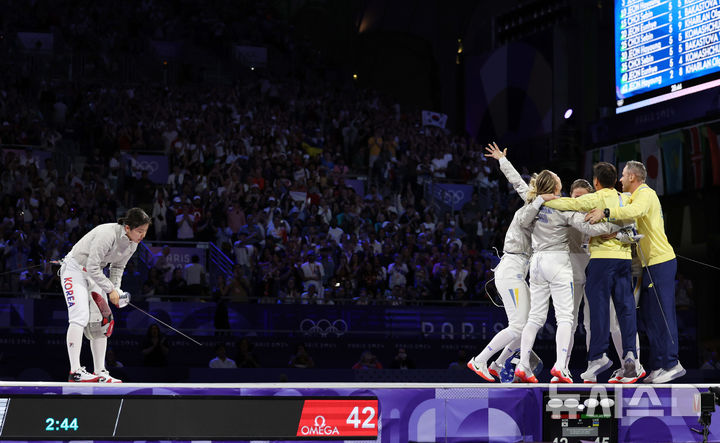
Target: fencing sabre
x=652 y=285
x=54 y=262
x=165 y=324
x=698 y=262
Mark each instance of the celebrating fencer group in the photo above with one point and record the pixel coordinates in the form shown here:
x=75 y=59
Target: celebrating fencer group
x=582 y=248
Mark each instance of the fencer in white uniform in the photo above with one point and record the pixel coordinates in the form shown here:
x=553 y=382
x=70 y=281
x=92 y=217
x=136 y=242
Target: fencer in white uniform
x=551 y=273
x=87 y=289
x=579 y=257
x=510 y=279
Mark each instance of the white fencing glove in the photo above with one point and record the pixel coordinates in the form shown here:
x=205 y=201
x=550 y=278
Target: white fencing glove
x=124 y=298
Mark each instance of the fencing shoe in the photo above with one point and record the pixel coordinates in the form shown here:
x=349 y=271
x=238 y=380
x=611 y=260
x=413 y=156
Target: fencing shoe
x=105 y=377
x=595 y=368
x=561 y=376
x=651 y=377
x=630 y=374
x=524 y=375
x=671 y=374
x=495 y=369
x=82 y=376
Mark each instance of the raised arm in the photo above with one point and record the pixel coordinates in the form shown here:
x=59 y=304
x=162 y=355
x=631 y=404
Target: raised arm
x=508 y=169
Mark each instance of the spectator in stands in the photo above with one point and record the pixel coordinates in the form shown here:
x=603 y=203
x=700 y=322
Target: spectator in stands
x=402 y=361
x=312 y=273
x=160 y=213
x=177 y=284
x=238 y=287
x=301 y=358
x=683 y=292
x=111 y=361
x=154 y=285
x=185 y=221
x=154 y=348
x=290 y=293
x=367 y=361
x=461 y=362
x=31 y=280
x=195 y=277
x=221 y=360
x=244 y=252
x=245 y=357
x=162 y=262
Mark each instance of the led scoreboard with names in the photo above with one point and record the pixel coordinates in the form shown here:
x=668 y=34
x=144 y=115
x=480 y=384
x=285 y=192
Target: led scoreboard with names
x=665 y=49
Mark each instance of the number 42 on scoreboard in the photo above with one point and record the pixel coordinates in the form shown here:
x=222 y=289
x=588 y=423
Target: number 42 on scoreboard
x=354 y=417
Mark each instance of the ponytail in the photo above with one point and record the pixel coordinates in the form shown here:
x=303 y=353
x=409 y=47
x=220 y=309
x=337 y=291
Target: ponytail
x=542 y=183
x=135 y=217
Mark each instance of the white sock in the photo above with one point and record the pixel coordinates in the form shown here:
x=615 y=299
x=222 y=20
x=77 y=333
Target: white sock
x=73 y=340
x=501 y=339
x=570 y=345
x=526 y=343
x=637 y=347
x=98 y=347
x=562 y=341
x=510 y=349
x=617 y=341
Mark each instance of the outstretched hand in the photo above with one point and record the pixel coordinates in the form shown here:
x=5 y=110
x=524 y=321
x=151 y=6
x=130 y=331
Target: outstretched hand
x=595 y=215
x=495 y=152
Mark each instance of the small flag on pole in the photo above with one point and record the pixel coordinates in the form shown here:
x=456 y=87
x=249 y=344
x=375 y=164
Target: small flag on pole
x=431 y=118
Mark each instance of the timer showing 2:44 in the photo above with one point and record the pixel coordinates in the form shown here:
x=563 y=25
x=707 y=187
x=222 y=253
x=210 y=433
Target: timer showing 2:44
x=66 y=424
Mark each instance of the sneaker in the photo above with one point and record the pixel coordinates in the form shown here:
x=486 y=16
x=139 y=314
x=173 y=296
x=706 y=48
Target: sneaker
x=640 y=370
x=524 y=375
x=495 y=369
x=630 y=374
x=616 y=376
x=105 y=377
x=480 y=369
x=82 y=376
x=555 y=380
x=589 y=380
x=595 y=368
x=563 y=376
x=667 y=375
x=652 y=375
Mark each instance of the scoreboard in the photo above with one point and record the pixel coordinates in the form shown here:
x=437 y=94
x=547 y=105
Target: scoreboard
x=665 y=49
x=73 y=417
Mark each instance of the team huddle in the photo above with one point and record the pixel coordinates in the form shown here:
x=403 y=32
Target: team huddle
x=582 y=247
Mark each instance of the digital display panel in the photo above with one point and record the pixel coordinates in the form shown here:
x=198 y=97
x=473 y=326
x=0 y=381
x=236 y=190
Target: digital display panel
x=665 y=49
x=188 y=418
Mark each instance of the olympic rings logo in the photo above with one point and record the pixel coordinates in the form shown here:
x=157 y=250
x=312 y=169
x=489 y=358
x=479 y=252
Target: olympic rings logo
x=449 y=196
x=323 y=327
x=147 y=165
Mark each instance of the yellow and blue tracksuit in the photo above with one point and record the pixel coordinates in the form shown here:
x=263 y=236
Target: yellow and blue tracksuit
x=660 y=268
x=608 y=274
